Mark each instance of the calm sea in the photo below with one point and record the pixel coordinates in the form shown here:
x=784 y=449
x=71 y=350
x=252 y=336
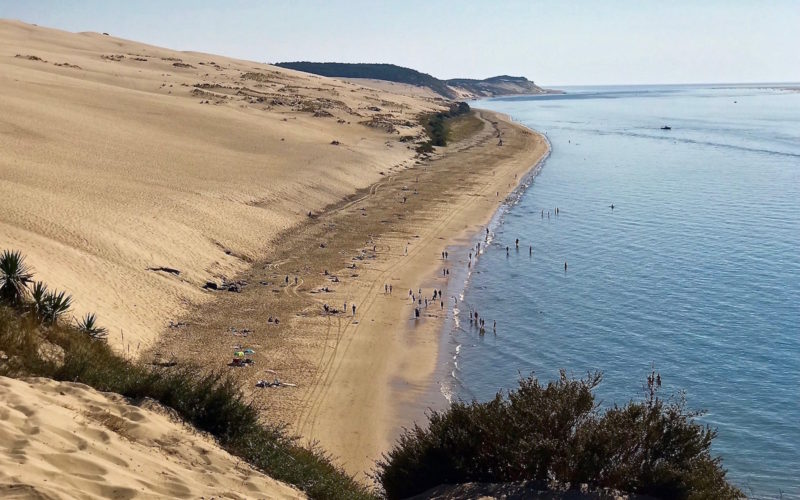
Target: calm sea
x=695 y=271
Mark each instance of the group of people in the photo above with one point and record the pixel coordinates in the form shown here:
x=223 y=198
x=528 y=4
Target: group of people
x=419 y=301
x=476 y=320
x=332 y=310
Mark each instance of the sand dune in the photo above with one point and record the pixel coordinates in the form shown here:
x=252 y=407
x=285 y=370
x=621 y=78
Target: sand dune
x=63 y=440
x=120 y=156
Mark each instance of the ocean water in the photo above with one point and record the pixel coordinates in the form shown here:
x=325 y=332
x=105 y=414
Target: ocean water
x=696 y=270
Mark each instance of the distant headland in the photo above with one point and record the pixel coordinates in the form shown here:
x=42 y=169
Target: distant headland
x=456 y=88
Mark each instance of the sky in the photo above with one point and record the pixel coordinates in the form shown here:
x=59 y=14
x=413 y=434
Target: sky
x=554 y=43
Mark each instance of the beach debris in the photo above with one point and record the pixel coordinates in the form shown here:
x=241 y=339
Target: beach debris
x=210 y=285
x=275 y=383
x=237 y=333
x=168 y=270
x=334 y=142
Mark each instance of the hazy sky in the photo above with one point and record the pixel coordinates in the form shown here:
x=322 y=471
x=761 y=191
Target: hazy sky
x=553 y=43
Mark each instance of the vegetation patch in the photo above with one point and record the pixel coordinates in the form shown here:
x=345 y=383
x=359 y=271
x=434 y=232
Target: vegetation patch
x=555 y=434
x=437 y=126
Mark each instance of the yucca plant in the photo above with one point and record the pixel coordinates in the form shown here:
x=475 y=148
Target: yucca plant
x=88 y=325
x=56 y=304
x=15 y=275
x=39 y=298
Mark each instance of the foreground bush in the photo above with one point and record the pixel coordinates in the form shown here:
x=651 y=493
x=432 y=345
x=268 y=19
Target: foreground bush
x=555 y=433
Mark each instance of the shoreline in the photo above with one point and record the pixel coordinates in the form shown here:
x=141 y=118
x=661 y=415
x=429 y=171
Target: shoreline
x=446 y=378
x=360 y=378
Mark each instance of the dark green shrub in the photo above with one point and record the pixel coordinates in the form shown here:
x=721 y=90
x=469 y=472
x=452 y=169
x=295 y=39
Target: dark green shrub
x=15 y=275
x=88 y=325
x=555 y=433
x=436 y=124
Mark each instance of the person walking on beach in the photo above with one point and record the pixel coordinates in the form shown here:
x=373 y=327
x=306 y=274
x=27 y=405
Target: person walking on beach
x=390 y=288
x=442 y=304
x=416 y=312
x=494 y=327
x=385 y=288
x=287 y=279
x=354 y=310
x=517 y=243
x=506 y=251
x=565 y=266
x=530 y=250
x=295 y=280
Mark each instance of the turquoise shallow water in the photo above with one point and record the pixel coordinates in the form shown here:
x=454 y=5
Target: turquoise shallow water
x=696 y=270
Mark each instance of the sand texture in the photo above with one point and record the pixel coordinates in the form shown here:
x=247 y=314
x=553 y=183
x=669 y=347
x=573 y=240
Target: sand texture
x=63 y=440
x=119 y=157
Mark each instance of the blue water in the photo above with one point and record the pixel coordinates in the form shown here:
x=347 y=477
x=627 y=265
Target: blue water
x=696 y=270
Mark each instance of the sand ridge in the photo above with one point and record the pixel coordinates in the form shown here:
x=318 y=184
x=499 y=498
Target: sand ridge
x=66 y=440
x=120 y=156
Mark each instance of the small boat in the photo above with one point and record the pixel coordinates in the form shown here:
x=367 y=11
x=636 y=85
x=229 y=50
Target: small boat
x=666 y=127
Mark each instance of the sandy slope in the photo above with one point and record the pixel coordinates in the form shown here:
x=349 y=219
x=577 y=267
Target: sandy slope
x=63 y=440
x=126 y=158
x=394 y=87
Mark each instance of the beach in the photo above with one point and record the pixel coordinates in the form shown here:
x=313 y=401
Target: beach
x=361 y=377
x=204 y=205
